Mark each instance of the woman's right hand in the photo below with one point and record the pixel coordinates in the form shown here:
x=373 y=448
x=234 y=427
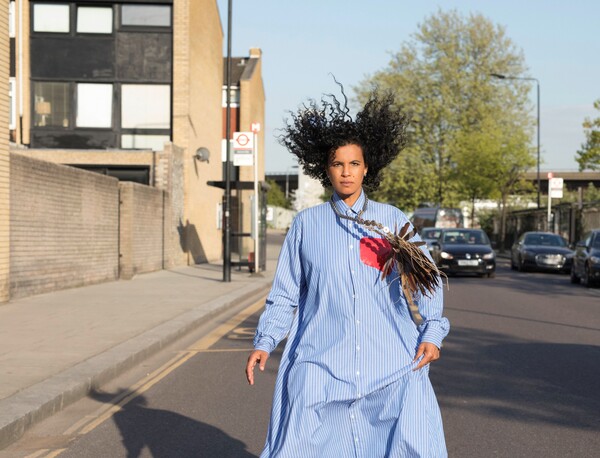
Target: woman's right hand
x=257 y=356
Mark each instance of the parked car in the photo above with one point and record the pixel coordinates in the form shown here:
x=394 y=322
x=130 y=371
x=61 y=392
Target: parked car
x=586 y=261
x=464 y=251
x=542 y=251
x=430 y=235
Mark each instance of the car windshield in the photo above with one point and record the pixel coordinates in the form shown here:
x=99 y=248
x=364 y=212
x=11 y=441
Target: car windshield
x=544 y=240
x=596 y=242
x=469 y=237
x=430 y=233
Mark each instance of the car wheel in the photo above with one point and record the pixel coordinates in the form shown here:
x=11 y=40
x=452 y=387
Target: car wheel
x=585 y=279
x=491 y=274
x=574 y=278
x=513 y=266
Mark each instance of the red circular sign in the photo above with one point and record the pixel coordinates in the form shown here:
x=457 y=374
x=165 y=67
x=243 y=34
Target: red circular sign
x=243 y=140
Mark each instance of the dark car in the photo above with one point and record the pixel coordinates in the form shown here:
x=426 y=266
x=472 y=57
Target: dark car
x=586 y=261
x=464 y=251
x=430 y=235
x=542 y=251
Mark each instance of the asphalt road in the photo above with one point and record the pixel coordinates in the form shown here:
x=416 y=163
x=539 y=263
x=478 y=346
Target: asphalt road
x=518 y=378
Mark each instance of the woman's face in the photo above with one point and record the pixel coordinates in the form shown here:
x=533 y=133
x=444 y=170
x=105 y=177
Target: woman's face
x=346 y=171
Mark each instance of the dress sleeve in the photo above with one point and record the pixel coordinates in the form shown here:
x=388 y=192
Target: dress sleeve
x=284 y=297
x=434 y=327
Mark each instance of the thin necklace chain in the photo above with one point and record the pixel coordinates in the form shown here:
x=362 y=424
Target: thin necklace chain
x=341 y=215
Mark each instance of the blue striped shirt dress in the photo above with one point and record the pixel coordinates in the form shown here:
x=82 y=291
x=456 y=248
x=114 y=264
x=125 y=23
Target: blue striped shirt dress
x=346 y=385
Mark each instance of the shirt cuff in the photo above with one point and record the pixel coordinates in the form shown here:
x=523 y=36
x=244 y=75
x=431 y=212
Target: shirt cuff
x=264 y=343
x=432 y=332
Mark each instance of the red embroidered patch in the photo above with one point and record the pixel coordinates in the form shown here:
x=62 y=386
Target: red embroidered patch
x=374 y=251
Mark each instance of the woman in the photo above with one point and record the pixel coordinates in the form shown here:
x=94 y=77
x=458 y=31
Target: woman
x=353 y=379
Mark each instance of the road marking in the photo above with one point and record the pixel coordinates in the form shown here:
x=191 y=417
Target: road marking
x=211 y=338
x=38 y=453
x=50 y=453
x=90 y=422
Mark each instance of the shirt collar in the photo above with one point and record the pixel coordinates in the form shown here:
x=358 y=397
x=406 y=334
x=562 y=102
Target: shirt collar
x=357 y=207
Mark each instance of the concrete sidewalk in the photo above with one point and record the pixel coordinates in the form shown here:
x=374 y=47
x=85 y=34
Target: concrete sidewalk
x=55 y=347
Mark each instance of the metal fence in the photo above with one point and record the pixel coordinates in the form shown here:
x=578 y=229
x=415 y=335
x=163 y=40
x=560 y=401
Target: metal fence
x=571 y=220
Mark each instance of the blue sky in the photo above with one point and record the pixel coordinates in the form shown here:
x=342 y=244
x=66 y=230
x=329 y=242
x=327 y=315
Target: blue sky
x=303 y=41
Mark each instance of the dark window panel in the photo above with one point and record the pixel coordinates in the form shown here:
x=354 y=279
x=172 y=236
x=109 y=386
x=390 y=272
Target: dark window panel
x=138 y=174
x=73 y=139
x=144 y=57
x=12 y=58
x=146 y=15
x=74 y=57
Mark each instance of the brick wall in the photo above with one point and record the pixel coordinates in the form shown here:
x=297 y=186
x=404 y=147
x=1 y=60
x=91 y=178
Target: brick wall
x=4 y=158
x=169 y=175
x=64 y=227
x=141 y=229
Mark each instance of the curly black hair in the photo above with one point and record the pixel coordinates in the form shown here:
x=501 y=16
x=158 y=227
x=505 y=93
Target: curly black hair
x=315 y=132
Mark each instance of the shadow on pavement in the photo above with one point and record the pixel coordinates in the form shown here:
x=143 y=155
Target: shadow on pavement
x=167 y=434
x=521 y=381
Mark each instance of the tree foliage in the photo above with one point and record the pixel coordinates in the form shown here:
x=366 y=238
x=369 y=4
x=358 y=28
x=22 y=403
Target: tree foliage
x=588 y=156
x=469 y=129
x=275 y=196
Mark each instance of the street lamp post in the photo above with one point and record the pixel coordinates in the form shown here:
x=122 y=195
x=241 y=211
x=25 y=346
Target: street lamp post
x=524 y=78
x=227 y=199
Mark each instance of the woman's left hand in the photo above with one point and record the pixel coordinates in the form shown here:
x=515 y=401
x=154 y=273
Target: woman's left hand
x=429 y=352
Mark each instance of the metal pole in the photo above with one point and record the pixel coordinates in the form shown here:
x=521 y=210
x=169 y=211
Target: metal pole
x=549 y=217
x=227 y=224
x=538 y=146
x=256 y=208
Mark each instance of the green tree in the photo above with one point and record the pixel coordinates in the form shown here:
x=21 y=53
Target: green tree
x=275 y=196
x=588 y=156
x=442 y=76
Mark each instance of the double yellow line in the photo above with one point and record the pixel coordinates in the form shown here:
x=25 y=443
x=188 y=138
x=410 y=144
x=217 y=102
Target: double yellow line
x=90 y=422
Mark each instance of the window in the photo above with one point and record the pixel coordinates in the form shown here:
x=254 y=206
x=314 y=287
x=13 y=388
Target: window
x=146 y=15
x=94 y=105
x=51 y=18
x=146 y=106
x=153 y=142
x=11 y=20
x=12 y=104
x=234 y=96
x=51 y=104
x=94 y=19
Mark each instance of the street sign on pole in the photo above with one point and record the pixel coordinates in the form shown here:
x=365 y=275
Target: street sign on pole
x=243 y=140
x=555 y=191
x=555 y=185
x=243 y=148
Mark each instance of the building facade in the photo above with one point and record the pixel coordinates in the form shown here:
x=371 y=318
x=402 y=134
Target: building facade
x=104 y=85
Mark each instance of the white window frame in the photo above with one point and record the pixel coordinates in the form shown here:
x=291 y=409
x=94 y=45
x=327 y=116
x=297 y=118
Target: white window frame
x=144 y=103
x=84 y=20
x=12 y=94
x=37 y=13
x=12 y=20
x=154 y=142
x=102 y=108
x=235 y=101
